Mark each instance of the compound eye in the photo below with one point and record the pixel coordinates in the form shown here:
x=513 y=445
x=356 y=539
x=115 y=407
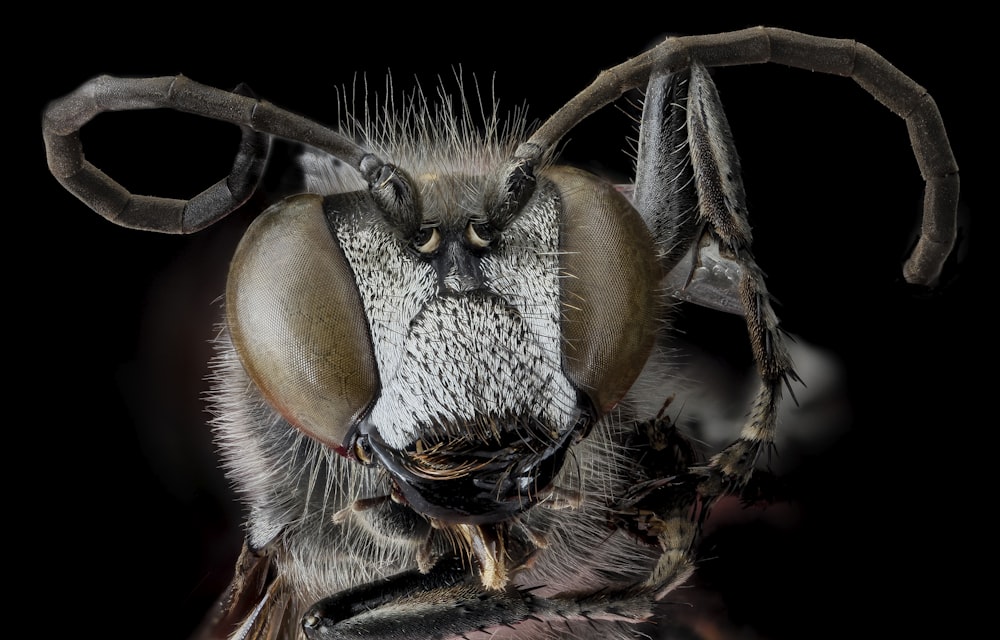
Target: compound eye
x=427 y=241
x=297 y=322
x=611 y=290
x=478 y=235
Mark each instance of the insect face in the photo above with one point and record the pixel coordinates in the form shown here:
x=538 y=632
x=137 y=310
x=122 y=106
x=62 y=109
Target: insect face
x=494 y=356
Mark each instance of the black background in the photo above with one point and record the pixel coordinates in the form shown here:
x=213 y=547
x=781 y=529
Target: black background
x=122 y=521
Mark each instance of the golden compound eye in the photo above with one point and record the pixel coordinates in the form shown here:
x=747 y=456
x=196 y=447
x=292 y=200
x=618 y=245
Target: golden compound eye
x=478 y=235
x=427 y=240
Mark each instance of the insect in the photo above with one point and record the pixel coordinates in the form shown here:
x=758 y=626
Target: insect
x=462 y=414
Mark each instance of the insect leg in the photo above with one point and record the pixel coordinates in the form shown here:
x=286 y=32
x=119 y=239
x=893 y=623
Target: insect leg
x=666 y=196
x=450 y=602
x=663 y=511
x=690 y=191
